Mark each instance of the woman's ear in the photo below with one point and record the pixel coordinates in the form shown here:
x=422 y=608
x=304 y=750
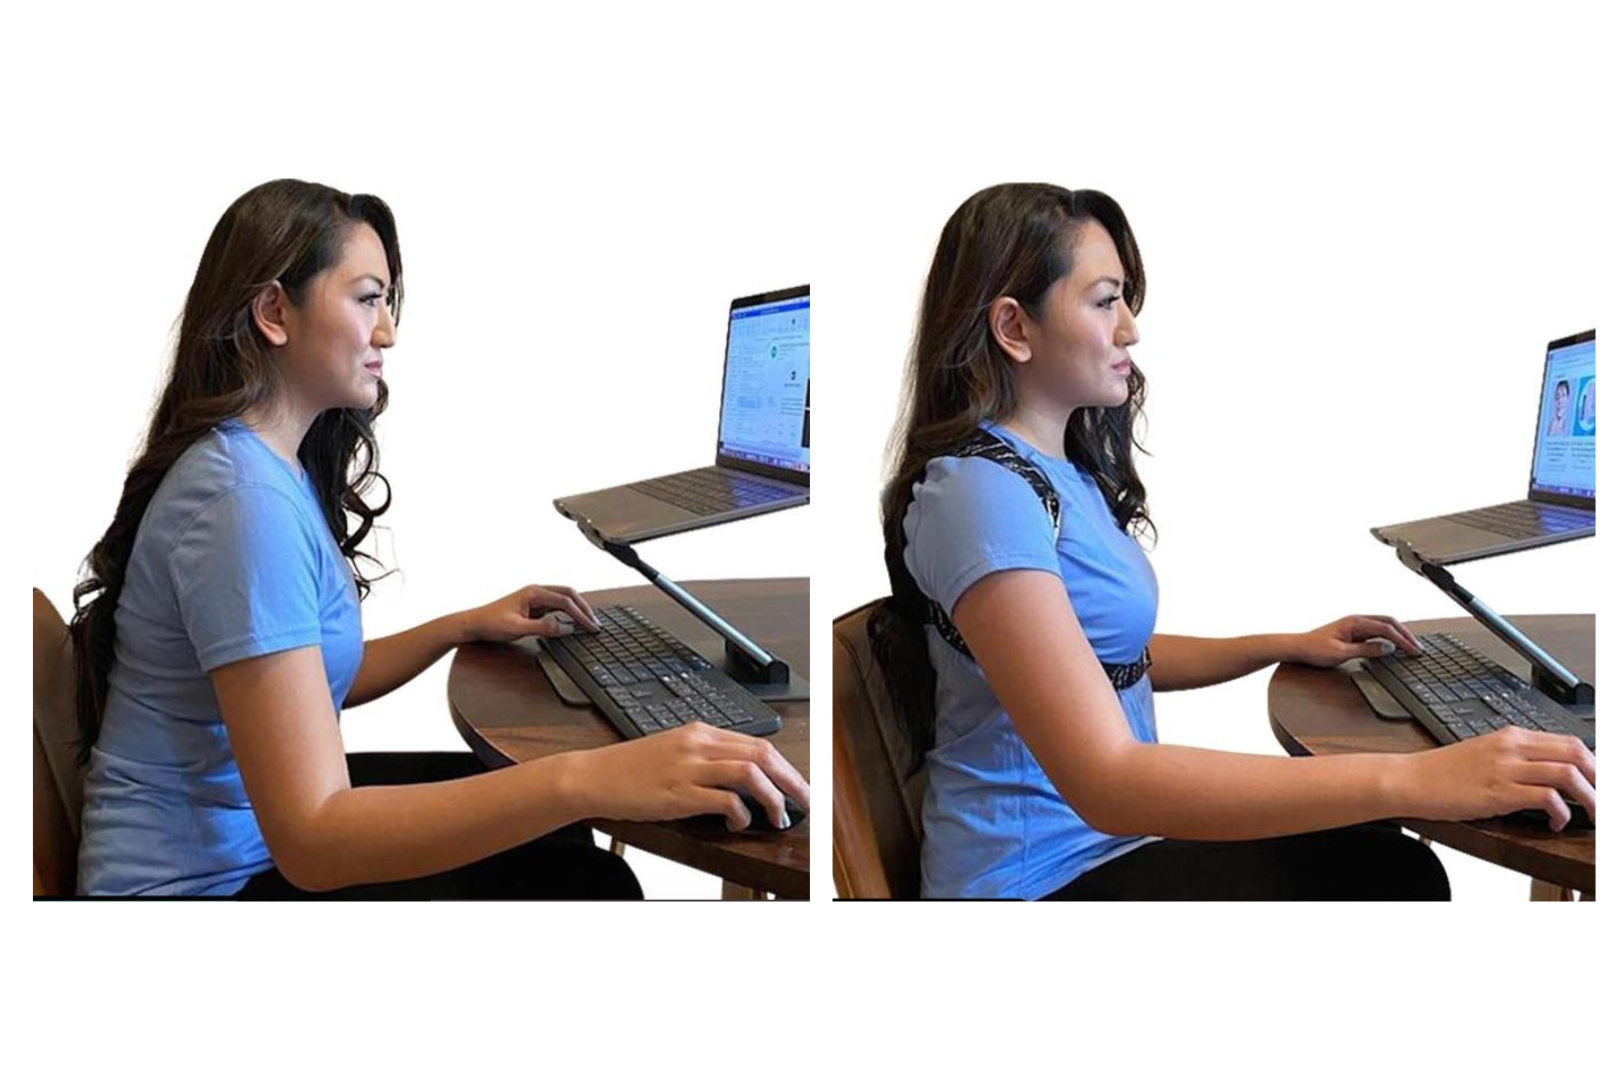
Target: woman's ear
x=270 y=306
x=1009 y=325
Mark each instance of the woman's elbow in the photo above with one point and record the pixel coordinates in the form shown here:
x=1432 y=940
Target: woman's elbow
x=1106 y=800
x=301 y=860
x=304 y=871
x=1106 y=817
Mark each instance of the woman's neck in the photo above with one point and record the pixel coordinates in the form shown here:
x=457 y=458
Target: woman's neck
x=1041 y=428
x=282 y=428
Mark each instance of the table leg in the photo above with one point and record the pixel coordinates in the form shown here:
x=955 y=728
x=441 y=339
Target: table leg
x=732 y=891
x=1542 y=890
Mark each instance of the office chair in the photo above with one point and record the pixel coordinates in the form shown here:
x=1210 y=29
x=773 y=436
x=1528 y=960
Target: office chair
x=58 y=779
x=877 y=798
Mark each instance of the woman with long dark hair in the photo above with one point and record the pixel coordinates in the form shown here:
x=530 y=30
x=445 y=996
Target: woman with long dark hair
x=1019 y=642
x=217 y=630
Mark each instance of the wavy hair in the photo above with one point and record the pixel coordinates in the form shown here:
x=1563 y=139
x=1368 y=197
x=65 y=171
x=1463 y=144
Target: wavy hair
x=285 y=231
x=1012 y=240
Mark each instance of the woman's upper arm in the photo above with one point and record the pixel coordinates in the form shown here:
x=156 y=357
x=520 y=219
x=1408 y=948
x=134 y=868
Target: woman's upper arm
x=1024 y=635
x=277 y=710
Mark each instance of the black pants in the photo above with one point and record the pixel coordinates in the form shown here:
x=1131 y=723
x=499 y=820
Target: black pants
x=1366 y=862
x=565 y=865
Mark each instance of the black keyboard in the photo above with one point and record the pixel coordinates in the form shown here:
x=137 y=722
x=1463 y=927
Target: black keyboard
x=645 y=681
x=710 y=491
x=1522 y=520
x=1457 y=693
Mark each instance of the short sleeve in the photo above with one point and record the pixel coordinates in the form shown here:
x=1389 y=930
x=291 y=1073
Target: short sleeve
x=970 y=517
x=246 y=576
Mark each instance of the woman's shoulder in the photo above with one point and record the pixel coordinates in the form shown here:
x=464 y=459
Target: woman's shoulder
x=976 y=483
x=973 y=504
x=971 y=516
x=221 y=472
x=973 y=485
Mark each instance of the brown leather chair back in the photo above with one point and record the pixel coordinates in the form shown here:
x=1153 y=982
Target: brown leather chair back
x=877 y=799
x=58 y=780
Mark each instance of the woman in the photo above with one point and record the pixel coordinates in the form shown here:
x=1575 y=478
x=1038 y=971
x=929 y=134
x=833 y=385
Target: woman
x=1559 y=424
x=222 y=634
x=1020 y=635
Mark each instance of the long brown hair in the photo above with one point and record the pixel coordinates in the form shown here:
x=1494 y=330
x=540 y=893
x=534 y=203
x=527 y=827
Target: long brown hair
x=287 y=231
x=1011 y=240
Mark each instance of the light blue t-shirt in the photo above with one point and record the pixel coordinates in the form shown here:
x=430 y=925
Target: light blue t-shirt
x=993 y=824
x=233 y=559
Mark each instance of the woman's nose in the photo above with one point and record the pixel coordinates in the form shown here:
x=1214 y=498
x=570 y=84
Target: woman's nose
x=383 y=335
x=1125 y=333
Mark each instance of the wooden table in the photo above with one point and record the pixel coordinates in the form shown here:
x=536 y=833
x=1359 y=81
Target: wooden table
x=1316 y=711
x=507 y=711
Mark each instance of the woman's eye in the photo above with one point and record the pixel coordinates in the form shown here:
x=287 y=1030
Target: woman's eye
x=1108 y=303
x=371 y=300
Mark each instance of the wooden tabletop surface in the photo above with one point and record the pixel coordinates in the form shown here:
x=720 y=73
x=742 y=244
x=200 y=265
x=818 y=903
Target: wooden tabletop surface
x=507 y=711
x=1315 y=711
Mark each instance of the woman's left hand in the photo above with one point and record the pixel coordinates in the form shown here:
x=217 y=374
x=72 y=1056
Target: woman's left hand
x=1333 y=644
x=524 y=612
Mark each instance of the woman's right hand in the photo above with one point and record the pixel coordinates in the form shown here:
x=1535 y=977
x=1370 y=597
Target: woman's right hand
x=1507 y=770
x=690 y=770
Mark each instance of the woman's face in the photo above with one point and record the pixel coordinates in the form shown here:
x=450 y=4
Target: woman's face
x=1560 y=401
x=1078 y=344
x=333 y=354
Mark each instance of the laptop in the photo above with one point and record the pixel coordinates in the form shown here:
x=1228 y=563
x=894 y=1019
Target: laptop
x=762 y=452
x=1562 y=502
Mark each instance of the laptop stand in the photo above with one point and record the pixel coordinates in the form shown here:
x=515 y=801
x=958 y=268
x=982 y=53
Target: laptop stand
x=1546 y=673
x=758 y=671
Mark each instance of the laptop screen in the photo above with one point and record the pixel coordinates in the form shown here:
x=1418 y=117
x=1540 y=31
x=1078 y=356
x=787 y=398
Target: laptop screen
x=1566 y=431
x=765 y=407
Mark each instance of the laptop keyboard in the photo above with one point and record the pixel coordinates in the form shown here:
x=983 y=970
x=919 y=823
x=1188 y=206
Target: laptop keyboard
x=710 y=491
x=1522 y=520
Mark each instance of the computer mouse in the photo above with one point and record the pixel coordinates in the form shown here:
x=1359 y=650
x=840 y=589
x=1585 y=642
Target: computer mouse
x=1578 y=818
x=758 y=819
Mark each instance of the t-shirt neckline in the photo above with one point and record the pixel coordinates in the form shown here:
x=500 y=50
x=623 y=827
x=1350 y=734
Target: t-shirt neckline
x=1023 y=446
x=297 y=472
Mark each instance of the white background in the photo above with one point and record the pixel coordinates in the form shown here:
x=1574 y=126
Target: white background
x=856 y=132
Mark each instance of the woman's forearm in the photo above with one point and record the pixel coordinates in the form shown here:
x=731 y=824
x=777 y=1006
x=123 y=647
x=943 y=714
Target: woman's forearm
x=391 y=833
x=1186 y=663
x=391 y=662
x=1192 y=794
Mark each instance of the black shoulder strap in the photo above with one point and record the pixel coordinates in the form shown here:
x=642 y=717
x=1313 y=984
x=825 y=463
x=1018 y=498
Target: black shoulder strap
x=985 y=445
